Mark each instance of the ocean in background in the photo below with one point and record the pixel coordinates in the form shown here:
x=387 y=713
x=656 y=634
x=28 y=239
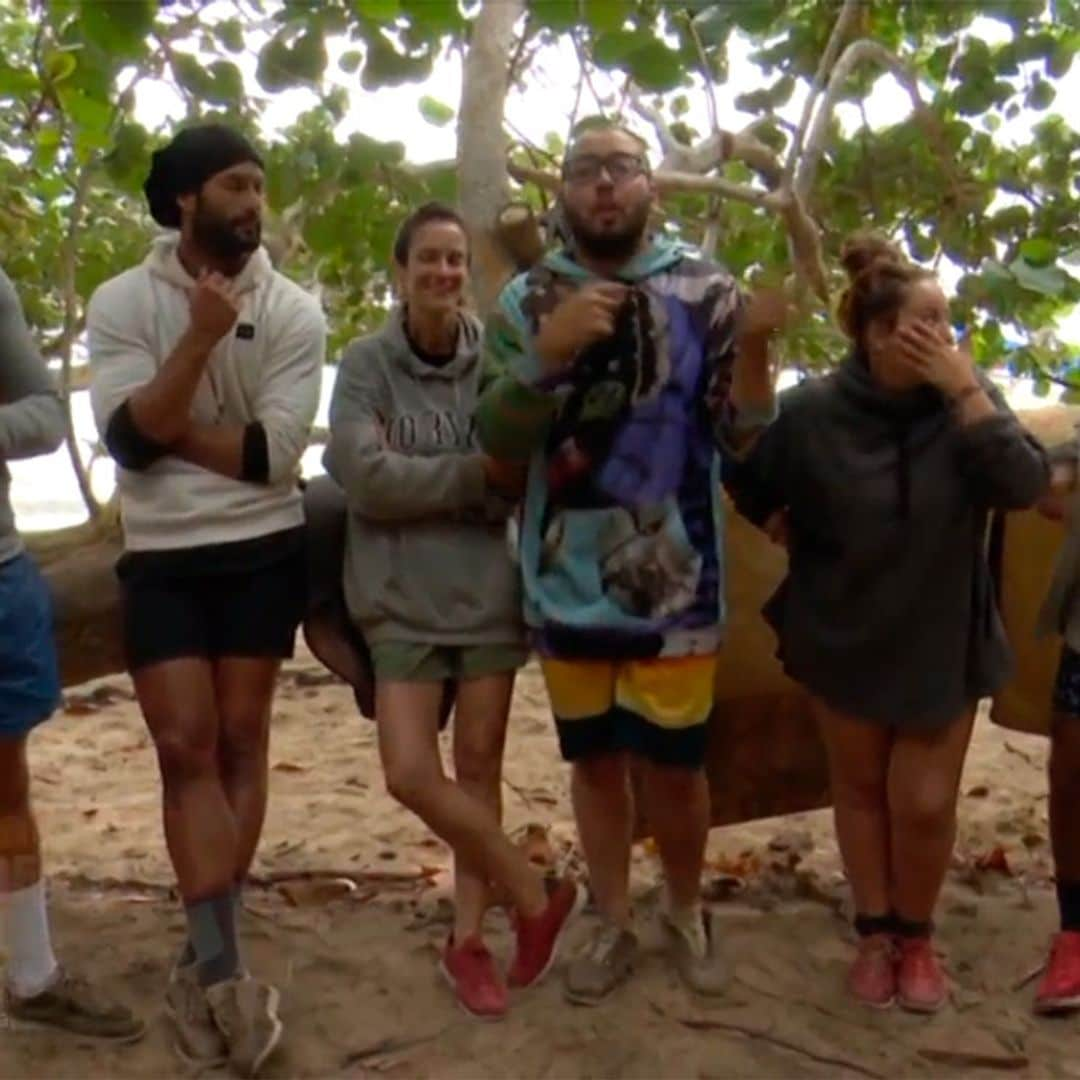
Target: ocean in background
x=46 y=496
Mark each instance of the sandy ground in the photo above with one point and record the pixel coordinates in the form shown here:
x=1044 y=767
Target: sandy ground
x=357 y=968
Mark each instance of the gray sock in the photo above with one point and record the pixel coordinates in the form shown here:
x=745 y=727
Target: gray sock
x=212 y=934
x=187 y=953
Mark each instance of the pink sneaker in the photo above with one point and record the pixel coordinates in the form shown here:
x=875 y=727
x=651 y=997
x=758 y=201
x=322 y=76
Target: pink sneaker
x=1059 y=990
x=920 y=980
x=538 y=939
x=872 y=978
x=470 y=971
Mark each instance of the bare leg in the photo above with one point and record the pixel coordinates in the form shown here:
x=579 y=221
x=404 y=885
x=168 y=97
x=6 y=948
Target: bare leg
x=604 y=809
x=407 y=717
x=924 y=778
x=677 y=807
x=858 y=769
x=483 y=706
x=245 y=689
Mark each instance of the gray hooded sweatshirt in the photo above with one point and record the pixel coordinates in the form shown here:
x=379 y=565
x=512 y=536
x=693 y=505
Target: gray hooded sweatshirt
x=888 y=610
x=426 y=556
x=31 y=415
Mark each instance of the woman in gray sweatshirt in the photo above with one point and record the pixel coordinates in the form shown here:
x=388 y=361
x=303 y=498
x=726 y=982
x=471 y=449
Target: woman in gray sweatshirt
x=430 y=584
x=881 y=476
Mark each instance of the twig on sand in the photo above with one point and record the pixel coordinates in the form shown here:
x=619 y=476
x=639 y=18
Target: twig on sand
x=387 y=1046
x=966 y=1059
x=358 y=877
x=697 y=1024
x=1030 y=977
x=1020 y=754
x=519 y=792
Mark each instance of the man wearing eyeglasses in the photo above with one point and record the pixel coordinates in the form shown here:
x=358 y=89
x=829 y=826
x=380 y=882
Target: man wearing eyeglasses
x=628 y=362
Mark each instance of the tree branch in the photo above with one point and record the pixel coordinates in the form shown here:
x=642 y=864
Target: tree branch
x=68 y=257
x=706 y=74
x=668 y=182
x=856 y=53
x=839 y=35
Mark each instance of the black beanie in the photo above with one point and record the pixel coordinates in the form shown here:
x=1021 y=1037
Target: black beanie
x=183 y=166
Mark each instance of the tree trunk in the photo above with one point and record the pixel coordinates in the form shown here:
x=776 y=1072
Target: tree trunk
x=483 y=182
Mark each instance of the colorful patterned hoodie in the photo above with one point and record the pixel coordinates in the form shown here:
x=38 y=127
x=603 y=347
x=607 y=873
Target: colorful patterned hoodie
x=621 y=539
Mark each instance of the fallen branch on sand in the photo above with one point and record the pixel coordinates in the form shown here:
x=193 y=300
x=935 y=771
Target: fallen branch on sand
x=696 y=1024
x=358 y=877
x=387 y=1047
x=965 y=1059
x=1020 y=754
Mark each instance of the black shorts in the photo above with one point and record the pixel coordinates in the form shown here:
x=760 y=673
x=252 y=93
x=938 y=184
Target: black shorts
x=1067 y=683
x=241 y=599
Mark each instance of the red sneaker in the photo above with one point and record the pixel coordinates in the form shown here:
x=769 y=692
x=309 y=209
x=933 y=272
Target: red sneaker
x=470 y=971
x=920 y=980
x=872 y=978
x=539 y=938
x=1059 y=990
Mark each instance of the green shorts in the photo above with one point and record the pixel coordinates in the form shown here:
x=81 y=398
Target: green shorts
x=410 y=661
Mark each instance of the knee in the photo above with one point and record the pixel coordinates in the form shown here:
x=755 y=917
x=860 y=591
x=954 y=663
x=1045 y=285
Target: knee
x=185 y=753
x=410 y=783
x=603 y=771
x=864 y=791
x=925 y=808
x=477 y=765
x=244 y=739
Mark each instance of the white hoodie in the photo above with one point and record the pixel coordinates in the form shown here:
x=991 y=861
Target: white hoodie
x=272 y=375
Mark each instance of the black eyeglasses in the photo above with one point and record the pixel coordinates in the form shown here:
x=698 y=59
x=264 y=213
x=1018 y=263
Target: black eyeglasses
x=620 y=167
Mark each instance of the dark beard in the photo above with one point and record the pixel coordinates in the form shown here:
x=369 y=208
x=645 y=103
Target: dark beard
x=609 y=246
x=220 y=238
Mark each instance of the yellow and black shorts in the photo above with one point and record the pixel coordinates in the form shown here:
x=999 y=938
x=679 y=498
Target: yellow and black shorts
x=657 y=708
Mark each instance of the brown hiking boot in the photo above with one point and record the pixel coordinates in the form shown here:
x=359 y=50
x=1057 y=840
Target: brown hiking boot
x=197 y=1038
x=606 y=961
x=71 y=1004
x=245 y=1011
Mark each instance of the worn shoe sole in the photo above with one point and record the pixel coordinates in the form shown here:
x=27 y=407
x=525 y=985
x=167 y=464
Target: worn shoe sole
x=923 y=1008
x=20 y=1023
x=273 y=997
x=1051 y=1006
x=486 y=1018
x=182 y=1054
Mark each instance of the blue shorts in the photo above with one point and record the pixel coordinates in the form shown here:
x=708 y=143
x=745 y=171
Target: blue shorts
x=29 y=673
x=1067 y=683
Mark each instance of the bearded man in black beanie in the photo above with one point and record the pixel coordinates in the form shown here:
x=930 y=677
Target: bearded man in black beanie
x=206 y=370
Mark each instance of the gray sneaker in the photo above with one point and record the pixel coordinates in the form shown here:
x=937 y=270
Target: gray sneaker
x=245 y=1011
x=605 y=962
x=72 y=1004
x=198 y=1040
x=708 y=974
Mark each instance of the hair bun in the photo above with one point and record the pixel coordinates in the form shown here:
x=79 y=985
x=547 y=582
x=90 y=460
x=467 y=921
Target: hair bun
x=866 y=249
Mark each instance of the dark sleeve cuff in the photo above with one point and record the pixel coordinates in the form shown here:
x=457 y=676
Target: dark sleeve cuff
x=255 y=456
x=127 y=445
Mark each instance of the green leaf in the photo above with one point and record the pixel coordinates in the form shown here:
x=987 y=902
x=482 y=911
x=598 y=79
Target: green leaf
x=1041 y=95
x=435 y=112
x=231 y=34
x=16 y=82
x=1060 y=59
x=1044 y=280
x=377 y=10
x=350 y=62
x=656 y=67
x=60 y=64
x=46 y=146
x=1039 y=251
x=226 y=83
x=680 y=105
x=118 y=27
x=606 y=15
x=713 y=25
x=615 y=48
x=559 y=15
x=385 y=66
x=282 y=64
x=433 y=17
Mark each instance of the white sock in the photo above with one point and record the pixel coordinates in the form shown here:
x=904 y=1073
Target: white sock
x=31 y=964
x=690 y=923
